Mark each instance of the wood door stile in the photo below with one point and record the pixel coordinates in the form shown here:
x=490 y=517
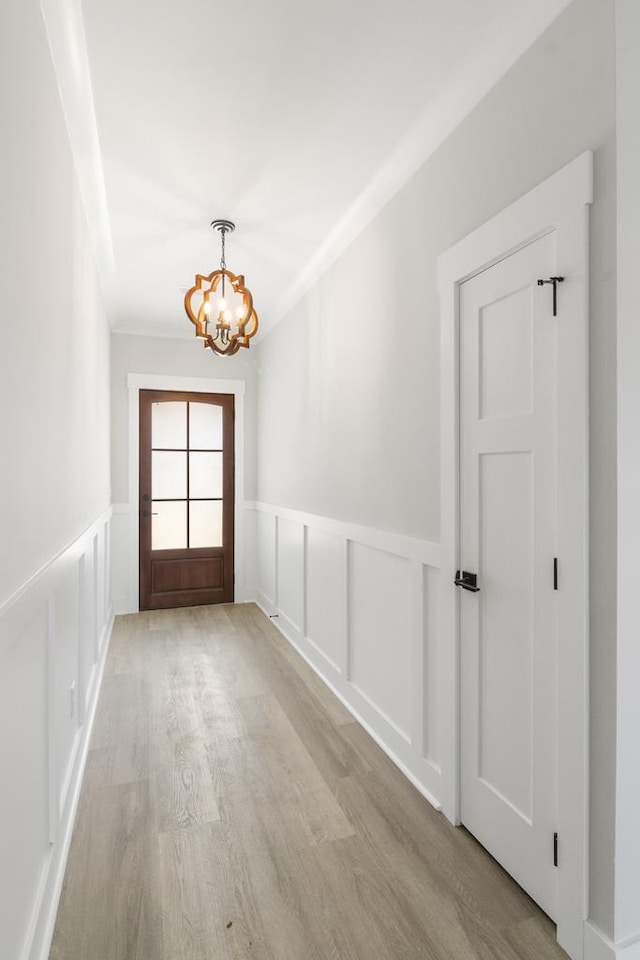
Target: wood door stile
x=191 y=575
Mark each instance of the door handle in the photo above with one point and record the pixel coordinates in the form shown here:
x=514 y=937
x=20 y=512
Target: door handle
x=148 y=513
x=468 y=581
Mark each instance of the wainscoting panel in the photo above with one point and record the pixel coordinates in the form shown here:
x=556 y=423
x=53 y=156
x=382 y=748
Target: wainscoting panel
x=65 y=677
x=87 y=613
x=54 y=635
x=119 y=560
x=24 y=798
x=266 y=536
x=290 y=567
x=431 y=662
x=246 y=583
x=360 y=605
x=325 y=597
x=379 y=633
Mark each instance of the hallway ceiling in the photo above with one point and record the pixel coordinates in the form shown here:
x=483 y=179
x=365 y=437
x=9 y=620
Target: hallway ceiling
x=294 y=118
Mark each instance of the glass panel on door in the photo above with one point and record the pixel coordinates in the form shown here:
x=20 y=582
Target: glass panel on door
x=205 y=523
x=205 y=426
x=186 y=475
x=205 y=476
x=168 y=475
x=169 y=426
x=169 y=525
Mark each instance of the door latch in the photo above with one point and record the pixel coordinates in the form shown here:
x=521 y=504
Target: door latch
x=466 y=580
x=555 y=281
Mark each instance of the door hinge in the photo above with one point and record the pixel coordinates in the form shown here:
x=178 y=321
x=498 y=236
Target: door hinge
x=555 y=573
x=555 y=849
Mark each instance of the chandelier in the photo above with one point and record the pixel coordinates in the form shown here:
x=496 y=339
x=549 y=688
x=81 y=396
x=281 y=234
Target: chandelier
x=220 y=306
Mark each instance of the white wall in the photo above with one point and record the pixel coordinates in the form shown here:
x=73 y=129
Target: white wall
x=360 y=353
x=175 y=358
x=54 y=386
x=54 y=483
x=162 y=356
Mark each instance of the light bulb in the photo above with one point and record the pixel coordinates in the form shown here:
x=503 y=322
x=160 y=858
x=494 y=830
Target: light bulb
x=223 y=304
x=207 y=307
x=227 y=315
x=240 y=312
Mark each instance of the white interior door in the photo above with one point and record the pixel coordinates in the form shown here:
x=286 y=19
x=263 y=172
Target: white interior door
x=508 y=497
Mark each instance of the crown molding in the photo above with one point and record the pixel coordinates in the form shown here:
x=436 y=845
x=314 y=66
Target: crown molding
x=64 y=26
x=154 y=330
x=505 y=39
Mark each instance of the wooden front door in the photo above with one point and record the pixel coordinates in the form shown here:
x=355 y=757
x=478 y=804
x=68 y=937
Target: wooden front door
x=186 y=498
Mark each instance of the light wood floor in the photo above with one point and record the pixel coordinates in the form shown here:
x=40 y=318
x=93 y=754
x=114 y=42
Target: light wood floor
x=233 y=809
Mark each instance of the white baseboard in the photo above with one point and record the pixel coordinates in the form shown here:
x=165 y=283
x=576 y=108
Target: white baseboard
x=52 y=881
x=361 y=606
x=267 y=605
x=303 y=647
x=597 y=946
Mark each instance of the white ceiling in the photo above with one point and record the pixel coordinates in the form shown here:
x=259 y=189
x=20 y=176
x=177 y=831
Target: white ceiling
x=296 y=119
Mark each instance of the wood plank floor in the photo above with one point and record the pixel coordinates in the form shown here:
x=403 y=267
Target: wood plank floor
x=233 y=809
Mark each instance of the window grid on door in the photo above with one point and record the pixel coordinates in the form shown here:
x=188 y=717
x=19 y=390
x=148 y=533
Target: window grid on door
x=192 y=531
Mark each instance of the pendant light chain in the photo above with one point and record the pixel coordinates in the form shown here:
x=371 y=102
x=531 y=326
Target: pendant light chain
x=223 y=262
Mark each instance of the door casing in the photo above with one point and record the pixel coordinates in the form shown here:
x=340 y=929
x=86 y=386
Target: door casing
x=222 y=553
x=145 y=381
x=559 y=205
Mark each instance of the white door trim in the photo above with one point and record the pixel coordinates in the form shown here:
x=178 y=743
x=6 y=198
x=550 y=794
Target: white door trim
x=157 y=381
x=560 y=204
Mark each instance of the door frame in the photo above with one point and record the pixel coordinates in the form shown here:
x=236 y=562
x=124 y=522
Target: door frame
x=558 y=205
x=152 y=381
